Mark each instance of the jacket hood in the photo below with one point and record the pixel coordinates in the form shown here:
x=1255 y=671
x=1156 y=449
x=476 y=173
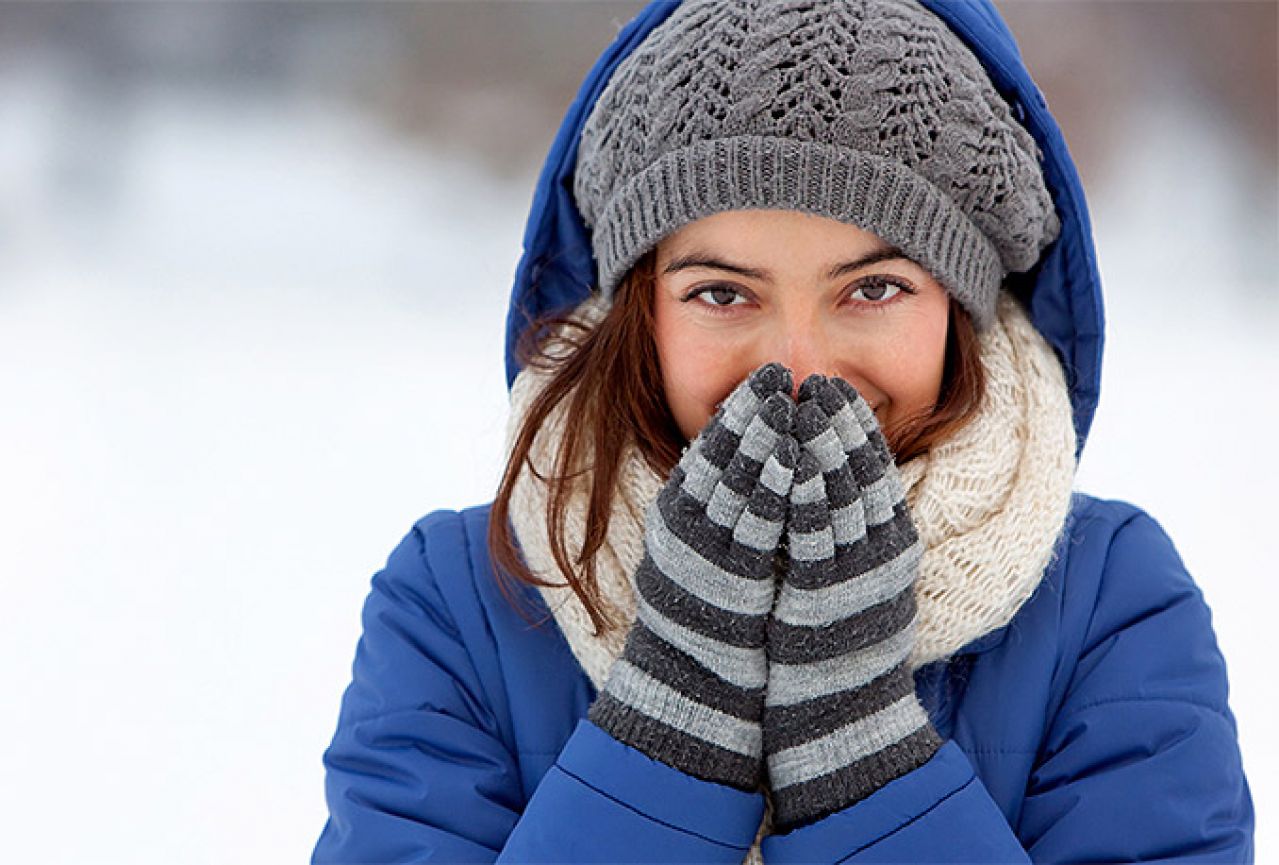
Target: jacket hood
x=1062 y=293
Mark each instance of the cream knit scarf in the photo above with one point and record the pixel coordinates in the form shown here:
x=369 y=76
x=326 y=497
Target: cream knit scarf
x=989 y=504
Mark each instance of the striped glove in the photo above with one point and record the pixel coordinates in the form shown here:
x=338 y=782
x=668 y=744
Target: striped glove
x=841 y=717
x=688 y=688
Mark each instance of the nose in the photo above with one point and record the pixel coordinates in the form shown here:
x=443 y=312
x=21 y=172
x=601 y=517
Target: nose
x=805 y=350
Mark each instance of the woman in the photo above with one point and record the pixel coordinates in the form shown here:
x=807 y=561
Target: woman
x=786 y=559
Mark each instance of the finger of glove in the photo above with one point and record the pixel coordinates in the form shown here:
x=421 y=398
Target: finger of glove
x=840 y=508
x=810 y=541
x=810 y=556
x=857 y=593
x=736 y=411
x=722 y=435
x=865 y=540
x=872 y=485
x=843 y=604
x=866 y=420
x=870 y=460
x=719 y=474
x=825 y=410
x=848 y=414
x=890 y=533
x=814 y=432
x=758 y=531
x=871 y=525
x=748 y=505
x=843 y=492
x=836 y=599
x=709 y=565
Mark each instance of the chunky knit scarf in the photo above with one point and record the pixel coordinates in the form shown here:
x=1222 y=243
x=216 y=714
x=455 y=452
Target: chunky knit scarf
x=989 y=504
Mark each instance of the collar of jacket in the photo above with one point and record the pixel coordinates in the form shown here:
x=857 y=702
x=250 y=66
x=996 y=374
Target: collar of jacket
x=985 y=643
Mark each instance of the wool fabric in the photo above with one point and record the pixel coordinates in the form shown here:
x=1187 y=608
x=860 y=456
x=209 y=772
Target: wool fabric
x=688 y=689
x=841 y=717
x=871 y=112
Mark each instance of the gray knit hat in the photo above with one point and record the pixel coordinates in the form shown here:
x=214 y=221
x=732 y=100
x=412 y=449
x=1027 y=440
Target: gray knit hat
x=871 y=112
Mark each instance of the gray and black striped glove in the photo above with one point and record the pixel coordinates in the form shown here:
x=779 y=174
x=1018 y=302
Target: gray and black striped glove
x=841 y=717
x=688 y=688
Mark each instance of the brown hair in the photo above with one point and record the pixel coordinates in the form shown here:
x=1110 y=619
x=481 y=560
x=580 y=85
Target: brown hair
x=611 y=378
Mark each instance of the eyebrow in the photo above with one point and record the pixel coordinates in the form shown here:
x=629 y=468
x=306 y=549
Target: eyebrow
x=704 y=259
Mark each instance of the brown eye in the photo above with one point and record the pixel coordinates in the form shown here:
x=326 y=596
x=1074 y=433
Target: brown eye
x=717 y=295
x=880 y=290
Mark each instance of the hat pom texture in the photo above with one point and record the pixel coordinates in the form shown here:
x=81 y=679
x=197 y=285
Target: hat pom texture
x=870 y=112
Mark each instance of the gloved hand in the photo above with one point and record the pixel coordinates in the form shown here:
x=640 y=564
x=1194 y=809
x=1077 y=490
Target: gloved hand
x=688 y=688
x=841 y=717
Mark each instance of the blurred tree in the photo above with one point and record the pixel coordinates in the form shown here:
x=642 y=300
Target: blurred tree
x=1094 y=59
x=491 y=78
x=495 y=77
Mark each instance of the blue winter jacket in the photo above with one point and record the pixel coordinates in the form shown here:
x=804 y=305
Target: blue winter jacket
x=1094 y=727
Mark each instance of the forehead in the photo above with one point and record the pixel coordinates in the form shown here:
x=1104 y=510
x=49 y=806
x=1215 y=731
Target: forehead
x=764 y=231
x=764 y=244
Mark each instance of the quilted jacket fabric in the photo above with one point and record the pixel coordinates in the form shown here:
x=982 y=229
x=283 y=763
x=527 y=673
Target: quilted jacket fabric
x=1093 y=728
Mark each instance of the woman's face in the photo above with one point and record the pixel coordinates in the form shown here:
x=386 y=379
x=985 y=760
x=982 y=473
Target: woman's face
x=741 y=289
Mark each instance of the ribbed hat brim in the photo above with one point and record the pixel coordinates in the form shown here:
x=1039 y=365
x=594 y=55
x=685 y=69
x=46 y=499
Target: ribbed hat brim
x=751 y=172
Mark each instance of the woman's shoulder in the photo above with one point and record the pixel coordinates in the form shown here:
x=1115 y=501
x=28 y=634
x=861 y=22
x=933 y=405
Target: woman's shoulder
x=1112 y=550
x=1119 y=583
x=446 y=536
x=1111 y=562
x=444 y=563
x=436 y=566
x=1103 y=536
x=1093 y=514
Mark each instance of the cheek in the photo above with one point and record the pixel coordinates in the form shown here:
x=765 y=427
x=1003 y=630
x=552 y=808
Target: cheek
x=699 y=369
x=912 y=375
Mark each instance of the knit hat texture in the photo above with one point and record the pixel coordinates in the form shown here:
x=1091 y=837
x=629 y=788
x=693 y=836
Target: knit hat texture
x=870 y=112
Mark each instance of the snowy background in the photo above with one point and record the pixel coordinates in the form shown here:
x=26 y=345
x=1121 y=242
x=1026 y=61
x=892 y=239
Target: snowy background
x=251 y=326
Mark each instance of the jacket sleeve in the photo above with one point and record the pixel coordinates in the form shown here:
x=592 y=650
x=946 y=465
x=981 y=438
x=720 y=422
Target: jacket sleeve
x=1142 y=760
x=418 y=770
x=1139 y=763
x=940 y=812
x=603 y=801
